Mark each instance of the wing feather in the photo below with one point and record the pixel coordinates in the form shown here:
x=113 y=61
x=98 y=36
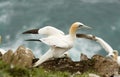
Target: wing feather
x=56 y=41
x=49 y=30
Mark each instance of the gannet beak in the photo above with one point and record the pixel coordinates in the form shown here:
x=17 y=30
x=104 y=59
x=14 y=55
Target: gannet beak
x=33 y=31
x=86 y=27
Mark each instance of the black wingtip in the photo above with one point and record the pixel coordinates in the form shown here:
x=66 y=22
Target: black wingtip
x=33 y=31
x=33 y=40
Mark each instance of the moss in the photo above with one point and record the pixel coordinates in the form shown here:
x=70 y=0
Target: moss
x=6 y=71
x=19 y=72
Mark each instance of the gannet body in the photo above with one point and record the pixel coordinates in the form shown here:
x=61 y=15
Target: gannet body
x=59 y=42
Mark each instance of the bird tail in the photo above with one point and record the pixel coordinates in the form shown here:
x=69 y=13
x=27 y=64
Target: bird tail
x=45 y=57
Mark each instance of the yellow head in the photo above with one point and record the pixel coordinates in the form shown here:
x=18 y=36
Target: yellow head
x=75 y=26
x=115 y=52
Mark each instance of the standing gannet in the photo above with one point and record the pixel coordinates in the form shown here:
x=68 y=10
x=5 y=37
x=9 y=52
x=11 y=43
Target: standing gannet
x=115 y=57
x=59 y=42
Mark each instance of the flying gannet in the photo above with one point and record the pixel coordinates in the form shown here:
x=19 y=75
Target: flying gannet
x=59 y=42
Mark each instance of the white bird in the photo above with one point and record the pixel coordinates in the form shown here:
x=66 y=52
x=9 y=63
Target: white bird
x=104 y=44
x=113 y=54
x=116 y=57
x=59 y=42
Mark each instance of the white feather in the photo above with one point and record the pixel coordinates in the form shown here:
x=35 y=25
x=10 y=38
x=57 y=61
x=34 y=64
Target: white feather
x=105 y=45
x=58 y=41
x=49 y=30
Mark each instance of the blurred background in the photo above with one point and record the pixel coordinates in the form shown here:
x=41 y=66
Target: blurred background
x=17 y=16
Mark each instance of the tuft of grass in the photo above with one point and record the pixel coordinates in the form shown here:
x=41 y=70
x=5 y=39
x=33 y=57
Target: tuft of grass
x=6 y=71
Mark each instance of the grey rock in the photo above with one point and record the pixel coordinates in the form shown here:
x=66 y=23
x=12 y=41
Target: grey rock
x=7 y=57
x=23 y=57
x=105 y=67
x=83 y=57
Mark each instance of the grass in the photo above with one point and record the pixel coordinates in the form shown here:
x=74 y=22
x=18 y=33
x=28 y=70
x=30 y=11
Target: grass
x=6 y=71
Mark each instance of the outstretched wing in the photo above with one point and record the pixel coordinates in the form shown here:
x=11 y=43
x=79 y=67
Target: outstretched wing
x=48 y=30
x=57 y=41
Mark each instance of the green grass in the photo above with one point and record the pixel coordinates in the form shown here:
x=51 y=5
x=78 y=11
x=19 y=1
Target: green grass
x=6 y=71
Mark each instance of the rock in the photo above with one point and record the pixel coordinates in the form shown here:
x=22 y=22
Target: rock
x=23 y=57
x=105 y=67
x=116 y=76
x=2 y=51
x=7 y=57
x=83 y=57
x=0 y=55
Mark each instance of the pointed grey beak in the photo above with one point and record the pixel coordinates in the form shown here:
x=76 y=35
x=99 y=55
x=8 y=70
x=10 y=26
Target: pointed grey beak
x=86 y=27
x=33 y=31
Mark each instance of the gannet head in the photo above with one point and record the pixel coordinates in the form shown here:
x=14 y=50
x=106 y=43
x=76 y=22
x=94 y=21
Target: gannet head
x=77 y=25
x=115 y=55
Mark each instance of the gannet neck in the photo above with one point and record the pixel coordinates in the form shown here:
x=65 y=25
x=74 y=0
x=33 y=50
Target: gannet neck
x=72 y=30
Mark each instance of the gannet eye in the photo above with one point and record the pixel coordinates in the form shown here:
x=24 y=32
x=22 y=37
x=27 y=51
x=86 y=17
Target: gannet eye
x=80 y=25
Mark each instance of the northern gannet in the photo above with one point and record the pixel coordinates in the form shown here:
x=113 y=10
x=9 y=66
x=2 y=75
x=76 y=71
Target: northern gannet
x=104 y=44
x=59 y=42
x=116 y=57
x=113 y=54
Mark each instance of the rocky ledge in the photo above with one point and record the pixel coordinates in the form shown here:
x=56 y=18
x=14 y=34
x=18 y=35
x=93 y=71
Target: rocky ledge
x=23 y=57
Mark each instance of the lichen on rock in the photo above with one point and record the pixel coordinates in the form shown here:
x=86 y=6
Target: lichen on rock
x=22 y=57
